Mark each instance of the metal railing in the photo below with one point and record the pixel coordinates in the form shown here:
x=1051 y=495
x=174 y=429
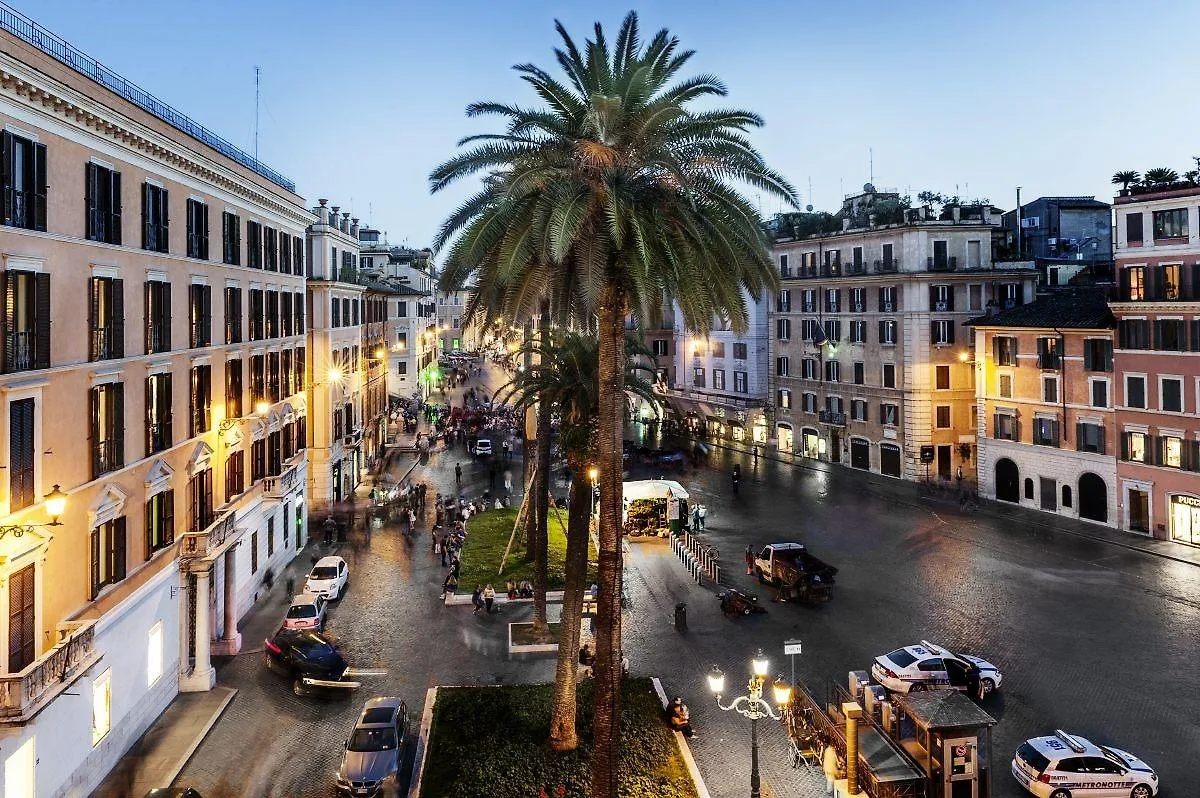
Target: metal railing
x=29 y=31
x=280 y=486
x=831 y=418
x=22 y=694
x=699 y=558
x=23 y=345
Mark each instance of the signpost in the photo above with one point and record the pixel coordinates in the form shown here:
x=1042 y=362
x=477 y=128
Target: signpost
x=790 y=649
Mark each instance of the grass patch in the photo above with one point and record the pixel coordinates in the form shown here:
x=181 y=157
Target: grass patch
x=490 y=742
x=522 y=634
x=487 y=535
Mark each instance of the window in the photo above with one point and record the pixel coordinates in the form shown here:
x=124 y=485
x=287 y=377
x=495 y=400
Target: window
x=155 y=218
x=155 y=654
x=285 y=253
x=254 y=552
x=158 y=317
x=233 y=388
x=889 y=414
x=1010 y=295
x=270 y=249
x=941 y=332
x=808 y=369
x=858 y=332
x=1133 y=229
x=200 y=501
x=739 y=381
x=1135 y=391
x=859 y=373
x=857 y=258
x=254 y=245
x=257 y=329
x=107 y=555
x=783 y=398
x=887 y=332
x=402 y=309
x=942 y=378
x=783 y=329
x=782 y=367
x=24 y=321
x=107 y=428
x=974 y=255
x=943 y=417
x=808 y=301
x=833 y=300
x=698 y=376
x=858 y=409
x=783 y=302
x=810 y=402
x=287 y=516
x=833 y=404
x=1004 y=427
x=21 y=457
x=1097 y=355
x=1004 y=350
x=1004 y=385
x=1050 y=390
x=1169 y=281
x=272 y=377
x=233 y=315
x=23 y=165
x=1171 y=224
x=1170 y=394
x=833 y=330
x=858 y=302
x=887 y=299
x=297 y=256
x=103 y=202
x=1170 y=335
x=660 y=346
x=258 y=453
x=402 y=368
x=940 y=259
x=718 y=349
x=1133 y=446
x=101 y=706
x=1049 y=353
x=784 y=269
x=159 y=436
x=1089 y=437
x=809 y=329
x=1170 y=451
x=235 y=474
x=231 y=239
x=718 y=379
x=833 y=371
x=270 y=536
x=160 y=522
x=1135 y=277
x=889 y=375
x=972 y=416
x=199 y=316
x=975 y=297
x=286 y=327
x=197 y=229
x=887 y=263
x=271 y=315
x=1098 y=389
x=1134 y=333
x=941 y=298
x=1045 y=431
x=106 y=319
x=200 y=400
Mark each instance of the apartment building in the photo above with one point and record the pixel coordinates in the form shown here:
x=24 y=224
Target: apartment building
x=1157 y=361
x=337 y=381
x=152 y=342
x=867 y=352
x=1047 y=433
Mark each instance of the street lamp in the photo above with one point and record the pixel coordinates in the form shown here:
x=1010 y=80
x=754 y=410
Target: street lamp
x=593 y=475
x=752 y=705
x=261 y=407
x=56 y=504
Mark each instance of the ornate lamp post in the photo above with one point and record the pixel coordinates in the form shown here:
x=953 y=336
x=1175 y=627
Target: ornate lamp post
x=752 y=705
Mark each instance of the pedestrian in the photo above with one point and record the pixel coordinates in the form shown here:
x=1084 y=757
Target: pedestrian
x=458 y=473
x=330 y=525
x=703 y=515
x=507 y=482
x=829 y=763
x=476 y=599
x=696 y=517
x=450 y=584
x=512 y=589
x=749 y=560
x=489 y=597
x=442 y=548
x=737 y=476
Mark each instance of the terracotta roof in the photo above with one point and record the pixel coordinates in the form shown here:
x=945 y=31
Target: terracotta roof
x=1069 y=308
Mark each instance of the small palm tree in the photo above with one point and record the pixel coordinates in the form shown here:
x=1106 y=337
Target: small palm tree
x=1126 y=179
x=1160 y=176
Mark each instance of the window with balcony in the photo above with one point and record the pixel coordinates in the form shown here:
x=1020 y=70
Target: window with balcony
x=107 y=555
x=1170 y=394
x=1134 y=447
x=1135 y=391
x=271 y=313
x=889 y=375
x=106 y=318
x=258 y=379
x=810 y=402
x=808 y=301
x=1134 y=333
x=941 y=378
x=24 y=321
x=833 y=371
x=941 y=256
x=1004 y=350
x=158 y=317
x=942 y=417
x=1010 y=295
x=231 y=239
x=21 y=455
x=782 y=366
x=23 y=163
x=833 y=404
x=155 y=218
x=718 y=382
x=856 y=255
x=1049 y=353
x=1089 y=437
x=889 y=414
x=257 y=312
x=833 y=263
x=159 y=436
x=1171 y=223
x=107 y=428
x=200 y=400
x=1170 y=335
x=941 y=298
x=160 y=522
x=200 y=501
x=858 y=332
x=270 y=249
x=199 y=316
x=233 y=315
x=1133 y=229
x=858 y=409
x=783 y=329
x=1097 y=354
x=103 y=203
x=783 y=398
x=784 y=269
x=197 y=230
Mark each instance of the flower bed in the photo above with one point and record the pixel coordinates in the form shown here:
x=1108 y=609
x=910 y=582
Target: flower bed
x=490 y=742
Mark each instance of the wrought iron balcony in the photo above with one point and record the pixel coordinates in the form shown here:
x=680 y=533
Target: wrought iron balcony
x=887 y=266
x=935 y=264
x=831 y=418
x=24 y=694
x=22 y=345
x=200 y=544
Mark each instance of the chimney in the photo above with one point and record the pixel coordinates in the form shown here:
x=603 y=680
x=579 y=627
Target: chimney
x=846 y=223
x=345 y=225
x=322 y=212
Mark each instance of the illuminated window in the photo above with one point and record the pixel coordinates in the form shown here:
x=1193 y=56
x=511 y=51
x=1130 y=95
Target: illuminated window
x=154 y=654
x=101 y=706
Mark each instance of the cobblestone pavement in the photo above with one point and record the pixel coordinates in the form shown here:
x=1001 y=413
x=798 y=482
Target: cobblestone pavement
x=1091 y=637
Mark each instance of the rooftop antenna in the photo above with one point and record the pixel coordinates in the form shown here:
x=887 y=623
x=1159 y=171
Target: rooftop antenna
x=871 y=167
x=810 y=189
x=256 y=82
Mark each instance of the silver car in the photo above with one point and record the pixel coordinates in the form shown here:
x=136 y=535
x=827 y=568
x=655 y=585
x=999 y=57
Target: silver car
x=371 y=763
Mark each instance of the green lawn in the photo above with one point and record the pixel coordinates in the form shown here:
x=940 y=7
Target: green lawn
x=490 y=742
x=522 y=634
x=487 y=535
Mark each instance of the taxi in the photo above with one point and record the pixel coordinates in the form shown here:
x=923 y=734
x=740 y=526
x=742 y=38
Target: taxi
x=1068 y=766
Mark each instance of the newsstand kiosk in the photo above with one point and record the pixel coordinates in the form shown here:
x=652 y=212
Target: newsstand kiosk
x=949 y=737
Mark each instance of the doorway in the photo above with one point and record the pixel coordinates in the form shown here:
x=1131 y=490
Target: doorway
x=1008 y=481
x=889 y=460
x=945 y=453
x=860 y=453
x=1139 y=510
x=783 y=434
x=1049 y=494
x=809 y=442
x=1093 y=498
x=835 y=446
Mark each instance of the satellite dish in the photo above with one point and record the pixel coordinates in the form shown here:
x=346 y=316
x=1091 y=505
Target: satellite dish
x=808 y=208
x=867 y=187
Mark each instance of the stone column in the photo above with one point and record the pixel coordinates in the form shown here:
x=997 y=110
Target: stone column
x=203 y=675
x=231 y=639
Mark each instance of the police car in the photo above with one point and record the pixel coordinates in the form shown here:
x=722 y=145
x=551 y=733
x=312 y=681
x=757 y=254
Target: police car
x=1067 y=766
x=931 y=667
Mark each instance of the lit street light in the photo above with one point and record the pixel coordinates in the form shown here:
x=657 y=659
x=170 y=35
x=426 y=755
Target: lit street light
x=752 y=706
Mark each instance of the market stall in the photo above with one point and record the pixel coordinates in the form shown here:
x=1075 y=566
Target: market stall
x=654 y=507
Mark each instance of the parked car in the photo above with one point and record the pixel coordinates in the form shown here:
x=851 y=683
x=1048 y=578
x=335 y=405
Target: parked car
x=310 y=659
x=1066 y=766
x=932 y=667
x=307 y=612
x=328 y=578
x=173 y=792
x=375 y=751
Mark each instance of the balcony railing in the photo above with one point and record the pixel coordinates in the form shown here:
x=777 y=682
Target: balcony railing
x=23 y=694
x=280 y=486
x=832 y=418
x=887 y=266
x=102 y=343
x=106 y=457
x=201 y=544
x=22 y=345
x=935 y=264
x=856 y=268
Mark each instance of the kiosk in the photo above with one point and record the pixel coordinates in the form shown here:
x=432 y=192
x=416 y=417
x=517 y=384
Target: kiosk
x=949 y=737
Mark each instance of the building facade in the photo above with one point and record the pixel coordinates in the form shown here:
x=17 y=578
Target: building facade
x=152 y=343
x=867 y=351
x=1069 y=238
x=1047 y=428
x=1157 y=362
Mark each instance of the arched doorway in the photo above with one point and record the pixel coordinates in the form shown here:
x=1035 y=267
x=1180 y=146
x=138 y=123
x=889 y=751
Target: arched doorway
x=1008 y=481
x=1093 y=498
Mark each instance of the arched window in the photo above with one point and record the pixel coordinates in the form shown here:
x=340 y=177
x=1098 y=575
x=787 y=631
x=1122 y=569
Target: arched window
x=1028 y=488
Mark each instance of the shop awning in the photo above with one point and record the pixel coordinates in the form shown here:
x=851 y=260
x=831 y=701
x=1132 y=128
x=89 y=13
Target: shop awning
x=653 y=489
x=683 y=407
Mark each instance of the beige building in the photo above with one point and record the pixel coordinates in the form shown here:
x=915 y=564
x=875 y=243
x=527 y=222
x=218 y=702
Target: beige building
x=151 y=369
x=868 y=354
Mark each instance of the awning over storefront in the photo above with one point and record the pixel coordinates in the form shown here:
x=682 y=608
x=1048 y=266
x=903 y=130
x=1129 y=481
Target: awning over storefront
x=684 y=407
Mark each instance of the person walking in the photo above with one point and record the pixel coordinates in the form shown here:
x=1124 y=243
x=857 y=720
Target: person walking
x=507 y=447
x=442 y=541
x=703 y=515
x=749 y=560
x=476 y=599
x=489 y=597
x=329 y=526
x=737 y=477
x=696 y=517
x=458 y=473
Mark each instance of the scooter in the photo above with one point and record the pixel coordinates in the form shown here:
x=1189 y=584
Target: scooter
x=735 y=602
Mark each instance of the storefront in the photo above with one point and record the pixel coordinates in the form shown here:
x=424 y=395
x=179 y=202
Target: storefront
x=783 y=433
x=811 y=443
x=1185 y=519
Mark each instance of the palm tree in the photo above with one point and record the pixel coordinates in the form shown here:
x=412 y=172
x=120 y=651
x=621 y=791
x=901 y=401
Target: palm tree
x=1126 y=179
x=1160 y=175
x=565 y=379
x=615 y=192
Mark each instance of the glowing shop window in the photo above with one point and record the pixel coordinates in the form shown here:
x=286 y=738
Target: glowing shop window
x=101 y=706
x=154 y=654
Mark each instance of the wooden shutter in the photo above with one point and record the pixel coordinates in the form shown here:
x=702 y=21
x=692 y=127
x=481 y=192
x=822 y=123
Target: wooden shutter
x=950 y=330
x=147 y=222
x=94 y=429
x=114 y=208
x=1195 y=325
x=40 y=187
x=22 y=633
x=8 y=349
x=166 y=421
x=6 y=175
x=206 y=314
x=168 y=519
x=118 y=318
x=117 y=392
x=193 y=246
x=1080 y=428
x=95 y=284
x=150 y=419
x=41 y=321
x=91 y=200
x=933 y=294
x=204 y=232
x=147 y=291
x=164 y=220
x=117 y=542
x=933 y=325
x=94 y=557
x=165 y=323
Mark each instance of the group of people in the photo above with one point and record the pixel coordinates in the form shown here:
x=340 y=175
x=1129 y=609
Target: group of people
x=484 y=598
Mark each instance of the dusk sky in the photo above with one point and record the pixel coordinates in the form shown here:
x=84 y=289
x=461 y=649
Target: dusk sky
x=360 y=100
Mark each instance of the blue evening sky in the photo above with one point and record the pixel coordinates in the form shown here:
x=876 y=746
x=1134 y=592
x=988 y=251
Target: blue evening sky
x=361 y=99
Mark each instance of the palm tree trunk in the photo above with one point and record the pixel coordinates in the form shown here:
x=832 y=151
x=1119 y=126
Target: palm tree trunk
x=542 y=503
x=563 y=736
x=607 y=722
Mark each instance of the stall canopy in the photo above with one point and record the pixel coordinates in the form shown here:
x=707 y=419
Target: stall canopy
x=654 y=489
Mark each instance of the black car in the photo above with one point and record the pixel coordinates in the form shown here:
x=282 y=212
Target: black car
x=311 y=659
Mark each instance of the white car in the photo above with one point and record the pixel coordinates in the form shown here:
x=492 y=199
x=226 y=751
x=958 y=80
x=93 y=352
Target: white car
x=483 y=447
x=931 y=667
x=327 y=578
x=1067 y=766
x=307 y=612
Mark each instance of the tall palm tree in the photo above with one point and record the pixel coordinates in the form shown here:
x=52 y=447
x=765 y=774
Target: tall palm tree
x=616 y=191
x=1126 y=179
x=565 y=379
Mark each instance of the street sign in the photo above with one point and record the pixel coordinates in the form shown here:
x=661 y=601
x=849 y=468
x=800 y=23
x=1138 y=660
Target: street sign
x=791 y=647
